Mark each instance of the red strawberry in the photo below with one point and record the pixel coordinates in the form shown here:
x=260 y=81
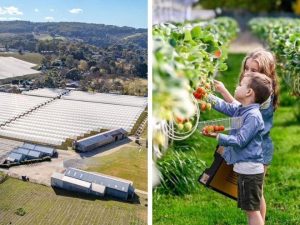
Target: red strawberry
x=218 y=53
x=197 y=95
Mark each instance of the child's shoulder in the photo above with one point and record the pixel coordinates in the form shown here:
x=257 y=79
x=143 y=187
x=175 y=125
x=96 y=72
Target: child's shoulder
x=255 y=113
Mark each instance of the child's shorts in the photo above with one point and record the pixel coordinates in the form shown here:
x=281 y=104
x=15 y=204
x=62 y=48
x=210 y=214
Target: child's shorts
x=250 y=191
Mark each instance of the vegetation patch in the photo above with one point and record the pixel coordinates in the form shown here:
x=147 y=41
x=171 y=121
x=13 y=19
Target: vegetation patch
x=20 y=212
x=129 y=162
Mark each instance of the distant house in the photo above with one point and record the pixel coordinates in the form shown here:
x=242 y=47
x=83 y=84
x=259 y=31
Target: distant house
x=93 y=183
x=98 y=140
x=73 y=84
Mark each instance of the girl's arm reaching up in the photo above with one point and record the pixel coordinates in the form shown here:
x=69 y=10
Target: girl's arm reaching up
x=220 y=88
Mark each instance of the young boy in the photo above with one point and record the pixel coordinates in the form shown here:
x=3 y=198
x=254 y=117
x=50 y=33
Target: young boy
x=243 y=146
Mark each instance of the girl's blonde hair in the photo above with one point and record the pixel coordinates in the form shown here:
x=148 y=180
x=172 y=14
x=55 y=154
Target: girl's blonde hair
x=267 y=65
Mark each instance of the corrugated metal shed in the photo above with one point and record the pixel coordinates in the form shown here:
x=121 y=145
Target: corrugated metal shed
x=23 y=151
x=45 y=150
x=56 y=180
x=34 y=154
x=90 y=143
x=77 y=182
x=28 y=146
x=98 y=189
x=111 y=182
x=93 y=183
x=15 y=157
x=28 y=153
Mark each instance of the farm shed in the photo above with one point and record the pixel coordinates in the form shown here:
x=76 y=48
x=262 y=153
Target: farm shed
x=93 y=183
x=30 y=151
x=98 y=140
x=45 y=151
x=28 y=154
x=15 y=157
x=69 y=183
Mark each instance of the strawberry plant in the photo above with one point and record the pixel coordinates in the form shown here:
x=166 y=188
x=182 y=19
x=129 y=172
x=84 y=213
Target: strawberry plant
x=186 y=57
x=283 y=37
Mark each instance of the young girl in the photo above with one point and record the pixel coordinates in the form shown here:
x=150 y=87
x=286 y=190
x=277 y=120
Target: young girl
x=264 y=62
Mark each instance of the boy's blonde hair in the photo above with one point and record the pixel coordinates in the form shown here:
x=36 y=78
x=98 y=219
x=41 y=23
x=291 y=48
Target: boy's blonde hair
x=267 y=65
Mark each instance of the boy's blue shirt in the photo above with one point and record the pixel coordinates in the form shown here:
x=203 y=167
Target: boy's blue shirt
x=244 y=144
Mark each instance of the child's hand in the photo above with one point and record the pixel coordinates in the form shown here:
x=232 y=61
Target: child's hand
x=220 y=150
x=219 y=86
x=210 y=134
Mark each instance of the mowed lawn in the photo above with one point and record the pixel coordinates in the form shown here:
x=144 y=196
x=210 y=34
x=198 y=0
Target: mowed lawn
x=129 y=163
x=282 y=183
x=45 y=206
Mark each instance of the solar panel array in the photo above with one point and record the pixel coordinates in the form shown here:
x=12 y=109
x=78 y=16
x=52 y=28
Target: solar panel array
x=60 y=119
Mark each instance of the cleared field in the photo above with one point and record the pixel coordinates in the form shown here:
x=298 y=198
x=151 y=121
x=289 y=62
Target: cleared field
x=43 y=205
x=12 y=67
x=35 y=58
x=129 y=163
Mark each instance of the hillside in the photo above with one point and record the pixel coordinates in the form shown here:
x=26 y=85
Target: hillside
x=96 y=34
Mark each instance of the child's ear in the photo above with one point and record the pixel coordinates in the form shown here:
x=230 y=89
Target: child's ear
x=249 y=92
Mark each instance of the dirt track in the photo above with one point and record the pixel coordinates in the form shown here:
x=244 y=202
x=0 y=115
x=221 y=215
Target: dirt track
x=245 y=43
x=41 y=172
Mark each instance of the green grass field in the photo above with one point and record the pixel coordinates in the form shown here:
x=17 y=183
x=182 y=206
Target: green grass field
x=35 y=58
x=46 y=206
x=128 y=163
x=282 y=184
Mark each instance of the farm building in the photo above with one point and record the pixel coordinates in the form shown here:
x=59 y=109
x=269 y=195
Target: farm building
x=28 y=154
x=30 y=151
x=15 y=157
x=93 y=183
x=98 y=140
x=45 y=151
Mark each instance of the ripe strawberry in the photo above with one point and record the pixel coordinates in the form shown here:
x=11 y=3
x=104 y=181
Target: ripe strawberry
x=203 y=106
x=179 y=120
x=210 y=129
x=221 y=128
x=201 y=90
x=218 y=53
x=205 y=130
x=197 y=95
x=216 y=128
